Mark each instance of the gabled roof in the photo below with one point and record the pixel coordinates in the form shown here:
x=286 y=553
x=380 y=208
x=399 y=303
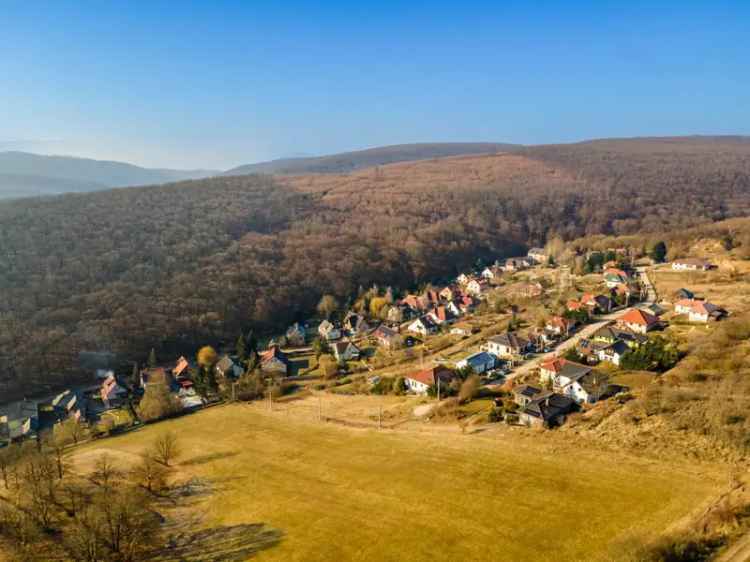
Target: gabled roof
x=548 y=406
x=566 y=368
x=384 y=332
x=225 y=363
x=273 y=352
x=181 y=366
x=430 y=376
x=638 y=316
x=526 y=390
x=341 y=347
x=510 y=340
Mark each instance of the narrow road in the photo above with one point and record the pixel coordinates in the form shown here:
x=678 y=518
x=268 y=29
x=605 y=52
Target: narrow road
x=586 y=331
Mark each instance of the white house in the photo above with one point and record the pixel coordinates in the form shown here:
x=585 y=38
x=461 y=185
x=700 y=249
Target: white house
x=691 y=264
x=538 y=255
x=476 y=288
x=421 y=381
x=638 y=321
x=328 y=331
x=699 y=311
x=579 y=382
x=479 y=362
x=506 y=345
x=345 y=351
x=423 y=326
x=613 y=353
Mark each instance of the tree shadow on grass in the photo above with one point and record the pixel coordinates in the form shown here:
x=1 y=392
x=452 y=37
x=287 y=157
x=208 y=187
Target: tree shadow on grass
x=203 y=459
x=219 y=544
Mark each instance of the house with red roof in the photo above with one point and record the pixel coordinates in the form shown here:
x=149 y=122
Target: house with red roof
x=421 y=381
x=699 y=311
x=638 y=321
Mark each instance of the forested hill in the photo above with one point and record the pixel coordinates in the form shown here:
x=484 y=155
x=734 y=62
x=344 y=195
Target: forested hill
x=350 y=161
x=181 y=264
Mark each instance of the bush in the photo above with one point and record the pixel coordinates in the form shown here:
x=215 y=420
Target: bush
x=495 y=415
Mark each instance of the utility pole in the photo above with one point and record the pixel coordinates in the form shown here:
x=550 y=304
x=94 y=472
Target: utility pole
x=438 y=390
x=380 y=417
x=268 y=382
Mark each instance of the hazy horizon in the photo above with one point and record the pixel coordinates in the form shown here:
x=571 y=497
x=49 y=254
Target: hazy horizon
x=199 y=86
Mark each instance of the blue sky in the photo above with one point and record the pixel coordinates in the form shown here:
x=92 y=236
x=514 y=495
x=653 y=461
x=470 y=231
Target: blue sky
x=218 y=84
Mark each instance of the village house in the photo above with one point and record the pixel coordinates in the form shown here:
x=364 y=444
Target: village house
x=463 y=279
x=525 y=393
x=296 y=335
x=465 y=304
x=439 y=315
x=492 y=273
x=273 y=360
x=507 y=345
x=424 y=326
x=580 y=382
x=449 y=293
x=691 y=264
x=560 y=326
x=421 y=381
x=546 y=410
x=355 y=324
x=479 y=362
x=227 y=368
x=19 y=420
x=614 y=277
x=539 y=255
x=65 y=405
x=590 y=349
x=597 y=304
x=638 y=321
x=345 y=351
x=386 y=337
x=683 y=293
x=476 y=287
x=328 y=331
x=699 y=311
x=611 y=333
x=111 y=392
x=613 y=353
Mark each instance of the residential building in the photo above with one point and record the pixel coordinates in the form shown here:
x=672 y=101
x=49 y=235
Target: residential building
x=699 y=311
x=296 y=335
x=328 y=331
x=479 y=362
x=539 y=255
x=638 y=321
x=691 y=264
x=345 y=351
x=546 y=410
x=507 y=345
x=424 y=326
x=421 y=381
x=580 y=382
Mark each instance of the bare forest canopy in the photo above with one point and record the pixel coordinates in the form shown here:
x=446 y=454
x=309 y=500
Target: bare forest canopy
x=179 y=265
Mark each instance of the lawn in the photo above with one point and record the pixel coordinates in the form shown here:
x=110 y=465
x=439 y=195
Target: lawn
x=337 y=493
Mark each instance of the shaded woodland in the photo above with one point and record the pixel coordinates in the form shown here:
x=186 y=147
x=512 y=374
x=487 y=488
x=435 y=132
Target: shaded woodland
x=179 y=265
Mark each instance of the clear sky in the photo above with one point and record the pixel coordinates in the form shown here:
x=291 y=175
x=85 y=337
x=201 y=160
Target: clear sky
x=218 y=83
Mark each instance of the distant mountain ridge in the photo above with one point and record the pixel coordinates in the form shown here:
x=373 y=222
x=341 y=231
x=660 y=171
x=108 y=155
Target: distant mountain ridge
x=378 y=156
x=23 y=174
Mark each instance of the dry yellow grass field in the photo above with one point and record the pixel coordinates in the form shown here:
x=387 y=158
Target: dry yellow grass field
x=337 y=493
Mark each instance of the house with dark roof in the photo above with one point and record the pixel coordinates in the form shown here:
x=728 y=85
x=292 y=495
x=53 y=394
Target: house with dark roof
x=580 y=382
x=479 y=362
x=613 y=353
x=525 y=393
x=386 y=337
x=612 y=333
x=424 y=326
x=19 y=420
x=345 y=351
x=296 y=335
x=355 y=324
x=227 y=368
x=546 y=410
x=507 y=345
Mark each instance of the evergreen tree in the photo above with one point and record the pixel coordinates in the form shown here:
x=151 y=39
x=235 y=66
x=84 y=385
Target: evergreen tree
x=659 y=252
x=241 y=348
x=152 y=358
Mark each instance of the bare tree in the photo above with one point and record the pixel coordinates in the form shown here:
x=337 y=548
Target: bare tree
x=166 y=448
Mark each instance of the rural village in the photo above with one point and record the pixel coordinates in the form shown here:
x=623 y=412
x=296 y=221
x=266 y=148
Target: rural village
x=521 y=341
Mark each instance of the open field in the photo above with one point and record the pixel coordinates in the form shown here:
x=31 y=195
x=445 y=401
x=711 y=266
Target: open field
x=337 y=493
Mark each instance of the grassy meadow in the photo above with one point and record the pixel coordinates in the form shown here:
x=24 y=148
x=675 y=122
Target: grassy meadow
x=337 y=493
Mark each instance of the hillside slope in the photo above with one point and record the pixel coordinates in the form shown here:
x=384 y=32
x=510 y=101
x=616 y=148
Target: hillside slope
x=356 y=160
x=23 y=174
x=177 y=265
